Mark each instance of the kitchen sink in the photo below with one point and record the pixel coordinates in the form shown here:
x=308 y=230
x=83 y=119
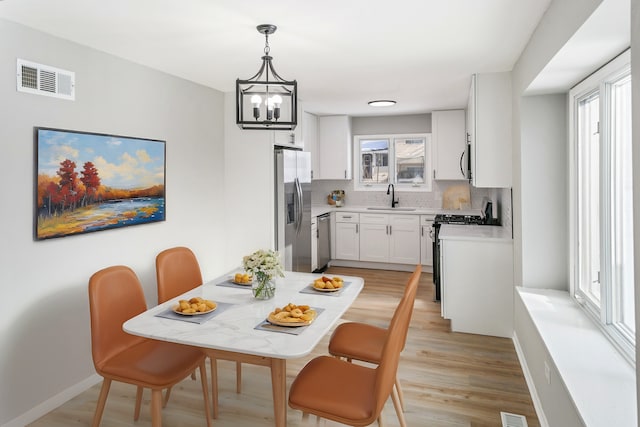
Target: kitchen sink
x=392 y=209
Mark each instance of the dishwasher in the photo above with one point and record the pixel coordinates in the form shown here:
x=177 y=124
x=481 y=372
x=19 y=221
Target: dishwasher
x=323 y=236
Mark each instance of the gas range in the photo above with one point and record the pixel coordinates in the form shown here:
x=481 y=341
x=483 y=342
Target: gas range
x=458 y=219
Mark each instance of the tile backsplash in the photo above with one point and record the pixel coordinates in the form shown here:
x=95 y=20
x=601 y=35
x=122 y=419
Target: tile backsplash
x=427 y=199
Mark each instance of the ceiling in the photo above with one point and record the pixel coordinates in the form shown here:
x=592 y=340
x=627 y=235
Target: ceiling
x=343 y=54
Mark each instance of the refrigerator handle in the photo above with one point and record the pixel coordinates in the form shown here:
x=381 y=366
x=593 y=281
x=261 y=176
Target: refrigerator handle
x=298 y=205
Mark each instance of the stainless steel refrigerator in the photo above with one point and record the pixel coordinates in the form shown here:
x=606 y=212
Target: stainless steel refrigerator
x=293 y=208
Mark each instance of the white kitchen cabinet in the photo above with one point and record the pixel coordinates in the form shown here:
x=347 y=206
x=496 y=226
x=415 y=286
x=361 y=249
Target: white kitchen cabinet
x=314 y=243
x=489 y=130
x=449 y=144
x=291 y=138
x=374 y=237
x=310 y=141
x=334 y=147
x=477 y=286
x=347 y=234
x=390 y=238
x=426 y=241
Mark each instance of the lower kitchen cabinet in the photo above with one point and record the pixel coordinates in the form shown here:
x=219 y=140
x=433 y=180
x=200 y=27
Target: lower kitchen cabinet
x=347 y=233
x=426 y=241
x=477 y=286
x=390 y=238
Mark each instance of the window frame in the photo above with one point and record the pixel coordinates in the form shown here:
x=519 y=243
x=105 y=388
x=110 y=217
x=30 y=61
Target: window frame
x=600 y=83
x=427 y=185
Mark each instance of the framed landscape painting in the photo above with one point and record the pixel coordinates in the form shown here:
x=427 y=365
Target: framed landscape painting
x=88 y=182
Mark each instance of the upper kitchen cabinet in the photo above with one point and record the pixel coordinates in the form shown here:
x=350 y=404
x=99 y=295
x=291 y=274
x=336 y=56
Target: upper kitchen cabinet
x=449 y=144
x=310 y=139
x=334 y=147
x=489 y=130
x=291 y=138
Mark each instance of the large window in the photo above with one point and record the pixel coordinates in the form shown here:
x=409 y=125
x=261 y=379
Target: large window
x=601 y=194
x=402 y=160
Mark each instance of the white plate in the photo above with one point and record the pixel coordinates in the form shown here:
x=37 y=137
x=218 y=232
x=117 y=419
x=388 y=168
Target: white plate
x=197 y=313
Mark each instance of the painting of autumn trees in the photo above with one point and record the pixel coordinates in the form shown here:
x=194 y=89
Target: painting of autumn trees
x=91 y=182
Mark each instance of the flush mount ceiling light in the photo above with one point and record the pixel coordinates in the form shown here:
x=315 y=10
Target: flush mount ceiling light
x=382 y=103
x=266 y=100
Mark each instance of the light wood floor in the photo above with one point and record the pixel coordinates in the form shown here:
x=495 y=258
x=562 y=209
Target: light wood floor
x=449 y=379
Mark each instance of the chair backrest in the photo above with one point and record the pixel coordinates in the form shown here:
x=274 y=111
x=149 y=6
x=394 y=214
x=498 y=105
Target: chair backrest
x=115 y=296
x=396 y=338
x=177 y=271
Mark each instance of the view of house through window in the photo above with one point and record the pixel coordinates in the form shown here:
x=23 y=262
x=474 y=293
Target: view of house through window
x=601 y=188
x=402 y=160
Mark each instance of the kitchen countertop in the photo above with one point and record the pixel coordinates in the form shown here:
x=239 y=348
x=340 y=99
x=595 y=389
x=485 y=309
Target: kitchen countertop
x=474 y=232
x=322 y=209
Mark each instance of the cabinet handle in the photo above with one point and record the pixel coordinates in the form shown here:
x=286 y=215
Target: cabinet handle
x=462 y=157
x=434 y=174
x=356 y=228
x=345 y=174
x=422 y=231
x=346 y=216
x=390 y=230
x=311 y=174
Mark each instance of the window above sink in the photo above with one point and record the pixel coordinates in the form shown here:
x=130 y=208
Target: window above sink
x=403 y=160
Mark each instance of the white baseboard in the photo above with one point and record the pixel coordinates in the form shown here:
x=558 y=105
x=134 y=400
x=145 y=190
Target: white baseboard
x=529 y=379
x=53 y=402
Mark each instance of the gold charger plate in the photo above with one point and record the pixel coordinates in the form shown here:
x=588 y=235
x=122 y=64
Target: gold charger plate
x=325 y=289
x=271 y=319
x=197 y=313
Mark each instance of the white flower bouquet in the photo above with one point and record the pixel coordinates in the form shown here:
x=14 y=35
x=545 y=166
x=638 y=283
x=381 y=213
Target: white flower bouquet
x=264 y=266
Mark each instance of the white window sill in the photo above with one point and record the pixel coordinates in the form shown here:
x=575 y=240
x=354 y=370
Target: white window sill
x=601 y=383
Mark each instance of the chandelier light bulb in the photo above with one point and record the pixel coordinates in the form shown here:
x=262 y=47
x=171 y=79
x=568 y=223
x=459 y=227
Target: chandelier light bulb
x=277 y=101
x=256 y=101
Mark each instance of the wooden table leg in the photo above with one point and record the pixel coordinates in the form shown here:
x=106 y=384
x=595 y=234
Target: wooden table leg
x=279 y=387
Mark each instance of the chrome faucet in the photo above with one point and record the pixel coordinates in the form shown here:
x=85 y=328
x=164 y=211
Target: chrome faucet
x=394 y=202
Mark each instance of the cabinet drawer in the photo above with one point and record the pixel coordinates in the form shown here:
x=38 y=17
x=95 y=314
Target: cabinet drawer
x=427 y=219
x=347 y=217
x=374 y=219
x=405 y=220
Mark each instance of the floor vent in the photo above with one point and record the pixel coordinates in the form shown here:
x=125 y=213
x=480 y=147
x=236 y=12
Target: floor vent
x=513 y=420
x=45 y=80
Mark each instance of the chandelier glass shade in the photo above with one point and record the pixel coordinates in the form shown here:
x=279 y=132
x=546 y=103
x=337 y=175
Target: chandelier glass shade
x=266 y=100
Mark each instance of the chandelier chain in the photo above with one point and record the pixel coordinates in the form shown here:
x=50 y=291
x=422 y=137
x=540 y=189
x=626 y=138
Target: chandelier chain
x=266 y=44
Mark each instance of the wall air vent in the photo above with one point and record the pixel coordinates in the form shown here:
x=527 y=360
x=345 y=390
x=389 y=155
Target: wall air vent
x=513 y=420
x=45 y=80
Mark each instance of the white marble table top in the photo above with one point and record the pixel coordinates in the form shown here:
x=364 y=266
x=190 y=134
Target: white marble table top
x=234 y=328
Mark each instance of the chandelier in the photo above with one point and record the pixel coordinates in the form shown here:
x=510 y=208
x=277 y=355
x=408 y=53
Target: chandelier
x=266 y=100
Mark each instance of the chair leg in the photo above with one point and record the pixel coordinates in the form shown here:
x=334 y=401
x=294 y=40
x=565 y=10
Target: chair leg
x=380 y=422
x=193 y=375
x=136 y=412
x=156 y=407
x=397 y=404
x=214 y=386
x=400 y=394
x=167 y=394
x=102 y=400
x=205 y=393
x=238 y=377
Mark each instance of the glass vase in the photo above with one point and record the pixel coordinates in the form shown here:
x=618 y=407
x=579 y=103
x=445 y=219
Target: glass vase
x=264 y=287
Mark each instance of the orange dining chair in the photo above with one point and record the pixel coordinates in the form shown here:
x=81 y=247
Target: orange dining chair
x=115 y=296
x=364 y=342
x=178 y=271
x=352 y=394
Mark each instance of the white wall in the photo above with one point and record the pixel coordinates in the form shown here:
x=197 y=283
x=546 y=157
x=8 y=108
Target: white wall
x=561 y=20
x=44 y=333
x=544 y=203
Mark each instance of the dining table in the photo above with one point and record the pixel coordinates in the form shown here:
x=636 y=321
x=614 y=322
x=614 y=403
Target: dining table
x=238 y=328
